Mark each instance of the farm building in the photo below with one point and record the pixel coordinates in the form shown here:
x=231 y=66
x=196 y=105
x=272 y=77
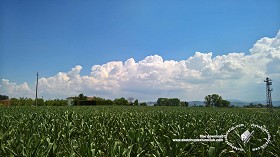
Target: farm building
x=70 y=101
x=5 y=102
x=88 y=102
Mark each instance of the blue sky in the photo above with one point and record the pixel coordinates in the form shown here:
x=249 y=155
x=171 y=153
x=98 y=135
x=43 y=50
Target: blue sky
x=55 y=36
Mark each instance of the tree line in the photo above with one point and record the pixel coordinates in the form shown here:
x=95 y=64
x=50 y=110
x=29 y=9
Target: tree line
x=83 y=100
x=171 y=102
x=40 y=102
x=213 y=100
x=252 y=105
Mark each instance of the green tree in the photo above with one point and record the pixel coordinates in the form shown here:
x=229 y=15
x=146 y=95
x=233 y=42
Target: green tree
x=76 y=100
x=213 y=100
x=259 y=105
x=216 y=100
x=56 y=102
x=29 y=102
x=184 y=103
x=14 y=102
x=168 y=102
x=82 y=97
x=4 y=97
x=98 y=99
x=40 y=102
x=207 y=101
x=130 y=101
x=121 y=102
x=143 y=104
x=225 y=103
x=136 y=103
x=173 y=102
x=22 y=101
x=161 y=101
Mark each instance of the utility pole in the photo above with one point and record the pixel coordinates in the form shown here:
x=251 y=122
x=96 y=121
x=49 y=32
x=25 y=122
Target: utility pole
x=268 y=82
x=36 y=90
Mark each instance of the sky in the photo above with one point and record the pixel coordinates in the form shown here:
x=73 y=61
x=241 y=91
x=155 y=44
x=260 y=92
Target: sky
x=142 y=49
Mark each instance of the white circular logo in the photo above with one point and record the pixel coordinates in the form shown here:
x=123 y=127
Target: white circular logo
x=246 y=136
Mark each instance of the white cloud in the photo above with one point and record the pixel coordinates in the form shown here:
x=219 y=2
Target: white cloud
x=233 y=75
x=266 y=45
x=21 y=90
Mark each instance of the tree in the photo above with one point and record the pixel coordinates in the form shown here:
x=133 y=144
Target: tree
x=56 y=102
x=82 y=97
x=260 y=105
x=207 y=100
x=40 y=102
x=143 y=104
x=184 y=103
x=130 y=100
x=161 y=101
x=14 y=102
x=22 y=101
x=76 y=100
x=98 y=99
x=215 y=100
x=252 y=105
x=174 y=102
x=4 y=97
x=121 y=102
x=225 y=103
x=136 y=103
x=168 y=102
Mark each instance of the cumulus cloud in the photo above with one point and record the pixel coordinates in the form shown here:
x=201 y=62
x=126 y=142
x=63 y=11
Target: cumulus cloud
x=16 y=90
x=266 y=46
x=233 y=75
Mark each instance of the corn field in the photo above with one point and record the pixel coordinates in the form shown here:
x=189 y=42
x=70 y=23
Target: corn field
x=130 y=131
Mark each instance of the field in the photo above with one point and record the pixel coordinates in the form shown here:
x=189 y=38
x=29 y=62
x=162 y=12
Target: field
x=133 y=131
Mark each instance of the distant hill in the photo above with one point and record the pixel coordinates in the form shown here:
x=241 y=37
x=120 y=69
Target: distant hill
x=151 y=103
x=243 y=103
x=236 y=102
x=196 y=103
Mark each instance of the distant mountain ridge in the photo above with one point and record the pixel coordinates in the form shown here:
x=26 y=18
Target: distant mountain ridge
x=242 y=103
x=236 y=102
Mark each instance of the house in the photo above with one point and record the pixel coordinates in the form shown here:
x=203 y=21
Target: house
x=70 y=101
x=6 y=102
x=88 y=102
